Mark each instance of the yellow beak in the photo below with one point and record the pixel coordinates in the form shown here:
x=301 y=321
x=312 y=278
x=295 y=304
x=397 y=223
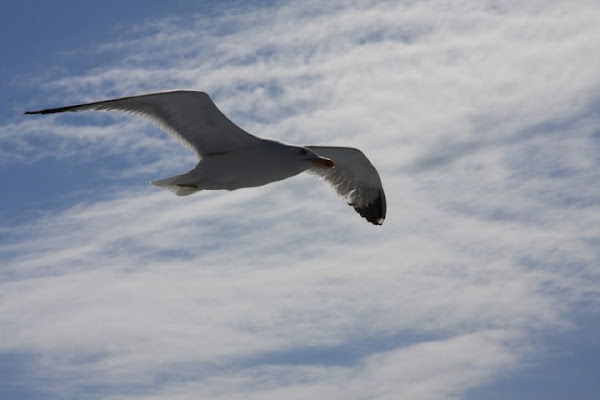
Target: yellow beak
x=325 y=162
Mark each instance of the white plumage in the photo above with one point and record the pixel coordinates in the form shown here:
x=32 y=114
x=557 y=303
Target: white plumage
x=231 y=158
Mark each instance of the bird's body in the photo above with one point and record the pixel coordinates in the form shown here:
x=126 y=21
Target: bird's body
x=221 y=171
x=231 y=158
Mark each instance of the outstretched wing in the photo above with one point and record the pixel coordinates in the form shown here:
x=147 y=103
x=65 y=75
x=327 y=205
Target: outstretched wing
x=190 y=116
x=355 y=179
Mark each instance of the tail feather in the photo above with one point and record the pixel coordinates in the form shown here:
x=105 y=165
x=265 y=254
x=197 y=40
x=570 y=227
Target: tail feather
x=179 y=185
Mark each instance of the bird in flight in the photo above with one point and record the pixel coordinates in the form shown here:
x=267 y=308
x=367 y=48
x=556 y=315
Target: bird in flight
x=230 y=158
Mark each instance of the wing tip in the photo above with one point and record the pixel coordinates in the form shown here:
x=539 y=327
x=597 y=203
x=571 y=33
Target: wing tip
x=52 y=110
x=375 y=211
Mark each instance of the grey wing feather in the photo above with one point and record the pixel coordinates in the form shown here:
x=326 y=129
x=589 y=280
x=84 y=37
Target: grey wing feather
x=355 y=179
x=190 y=116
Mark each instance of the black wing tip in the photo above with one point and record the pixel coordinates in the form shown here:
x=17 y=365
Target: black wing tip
x=52 y=110
x=375 y=211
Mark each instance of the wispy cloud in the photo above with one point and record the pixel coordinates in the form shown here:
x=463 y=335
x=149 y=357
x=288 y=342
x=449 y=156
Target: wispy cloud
x=480 y=119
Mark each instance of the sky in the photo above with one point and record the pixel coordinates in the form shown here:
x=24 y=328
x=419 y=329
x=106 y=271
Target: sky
x=483 y=283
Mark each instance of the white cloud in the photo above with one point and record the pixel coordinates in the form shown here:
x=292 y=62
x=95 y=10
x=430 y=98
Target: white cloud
x=478 y=118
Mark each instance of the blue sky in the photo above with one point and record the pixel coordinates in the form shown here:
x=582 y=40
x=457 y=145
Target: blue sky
x=483 y=283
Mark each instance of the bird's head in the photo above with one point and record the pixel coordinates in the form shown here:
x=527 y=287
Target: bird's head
x=310 y=156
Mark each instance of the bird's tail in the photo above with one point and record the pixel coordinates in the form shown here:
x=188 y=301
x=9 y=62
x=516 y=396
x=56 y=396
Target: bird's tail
x=181 y=185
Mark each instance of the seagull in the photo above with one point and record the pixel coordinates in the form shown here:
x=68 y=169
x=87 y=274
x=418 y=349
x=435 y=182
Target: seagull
x=230 y=158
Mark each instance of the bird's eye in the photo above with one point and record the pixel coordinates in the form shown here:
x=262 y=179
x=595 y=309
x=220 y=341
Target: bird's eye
x=303 y=152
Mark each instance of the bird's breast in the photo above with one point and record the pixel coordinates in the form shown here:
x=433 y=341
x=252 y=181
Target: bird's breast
x=237 y=170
